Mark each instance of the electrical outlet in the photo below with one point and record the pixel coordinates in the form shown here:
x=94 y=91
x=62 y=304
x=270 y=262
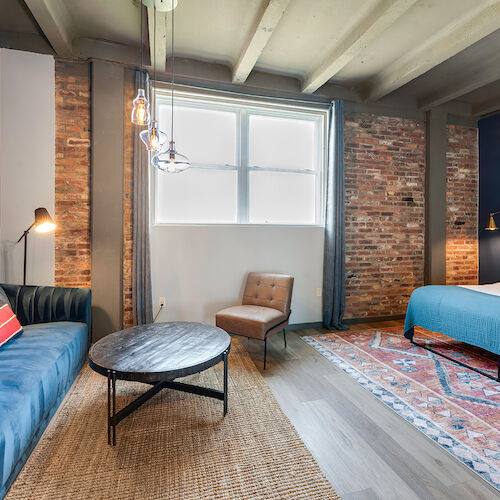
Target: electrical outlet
x=318 y=292
x=162 y=301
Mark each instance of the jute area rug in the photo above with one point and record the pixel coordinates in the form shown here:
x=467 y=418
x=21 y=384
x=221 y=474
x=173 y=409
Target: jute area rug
x=177 y=445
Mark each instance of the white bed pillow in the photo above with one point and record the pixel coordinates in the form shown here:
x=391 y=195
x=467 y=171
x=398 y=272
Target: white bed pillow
x=491 y=289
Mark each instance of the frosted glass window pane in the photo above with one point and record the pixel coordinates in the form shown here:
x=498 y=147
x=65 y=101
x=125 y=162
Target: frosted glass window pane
x=205 y=136
x=277 y=142
x=282 y=198
x=198 y=195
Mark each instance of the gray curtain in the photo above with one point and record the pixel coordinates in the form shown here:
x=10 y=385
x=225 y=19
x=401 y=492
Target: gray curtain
x=141 y=287
x=334 y=256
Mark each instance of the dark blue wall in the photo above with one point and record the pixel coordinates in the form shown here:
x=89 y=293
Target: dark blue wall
x=489 y=198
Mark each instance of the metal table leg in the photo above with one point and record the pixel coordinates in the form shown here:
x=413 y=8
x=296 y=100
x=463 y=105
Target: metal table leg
x=226 y=356
x=113 y=380
x=114 y=417
x=109 y=406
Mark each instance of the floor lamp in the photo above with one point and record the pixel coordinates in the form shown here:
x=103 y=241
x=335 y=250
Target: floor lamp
x=43 y=223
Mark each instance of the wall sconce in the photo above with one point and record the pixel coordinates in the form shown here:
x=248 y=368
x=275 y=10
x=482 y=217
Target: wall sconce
x=491 y=223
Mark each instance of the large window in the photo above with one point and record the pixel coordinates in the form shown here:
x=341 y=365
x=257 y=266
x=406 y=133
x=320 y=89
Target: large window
x=251 y=163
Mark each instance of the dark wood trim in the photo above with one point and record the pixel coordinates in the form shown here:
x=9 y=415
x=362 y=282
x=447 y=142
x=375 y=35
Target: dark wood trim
x=303 y=326
x=354 y=321
x=351 y=321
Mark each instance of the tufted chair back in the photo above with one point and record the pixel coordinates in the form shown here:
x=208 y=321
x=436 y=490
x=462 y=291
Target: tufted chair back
x=269 y=290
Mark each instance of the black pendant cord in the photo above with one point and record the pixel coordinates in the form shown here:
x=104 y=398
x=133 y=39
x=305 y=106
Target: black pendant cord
x=172 y=77
x=153 y=90
x=140 y=7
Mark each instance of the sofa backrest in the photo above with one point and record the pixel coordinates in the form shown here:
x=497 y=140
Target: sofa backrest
x=45 y=304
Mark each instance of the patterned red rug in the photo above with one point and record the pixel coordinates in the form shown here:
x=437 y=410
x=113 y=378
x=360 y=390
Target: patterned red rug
x=454 y=406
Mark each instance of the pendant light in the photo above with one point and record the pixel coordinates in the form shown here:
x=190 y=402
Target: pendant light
x=140 y=110
x=171 y=161
x=153 y=138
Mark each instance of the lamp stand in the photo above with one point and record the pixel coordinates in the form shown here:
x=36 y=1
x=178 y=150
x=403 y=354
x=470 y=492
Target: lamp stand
x=25 y=237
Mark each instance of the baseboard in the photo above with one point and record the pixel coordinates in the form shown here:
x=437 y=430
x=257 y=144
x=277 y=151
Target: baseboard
x=350 y=321
x=353 y=321
x=303 y=326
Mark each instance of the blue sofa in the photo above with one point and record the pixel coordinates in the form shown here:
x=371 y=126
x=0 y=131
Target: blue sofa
x=38 y=367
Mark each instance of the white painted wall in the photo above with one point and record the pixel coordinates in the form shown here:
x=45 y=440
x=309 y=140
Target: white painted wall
x=201 y=269
x=27 y=153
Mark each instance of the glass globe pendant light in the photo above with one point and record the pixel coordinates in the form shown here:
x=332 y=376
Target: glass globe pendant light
x=153 y=137
x=140 y=110
x=171 y=161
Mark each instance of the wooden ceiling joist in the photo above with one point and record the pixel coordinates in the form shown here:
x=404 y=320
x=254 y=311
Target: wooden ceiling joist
x=161 y=39
x=480 y=77
x=370 y=25
x=467 y=30
x=55 y=22
x=487 y=107
x=261 y=33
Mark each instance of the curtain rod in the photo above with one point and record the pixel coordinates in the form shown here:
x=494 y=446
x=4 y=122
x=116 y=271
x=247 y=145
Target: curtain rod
x=324 y=103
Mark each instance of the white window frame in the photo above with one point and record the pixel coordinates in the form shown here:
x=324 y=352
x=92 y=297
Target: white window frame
x=244 y=107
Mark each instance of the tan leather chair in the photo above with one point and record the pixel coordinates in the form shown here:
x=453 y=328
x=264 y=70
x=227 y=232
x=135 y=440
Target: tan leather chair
x=265 y=308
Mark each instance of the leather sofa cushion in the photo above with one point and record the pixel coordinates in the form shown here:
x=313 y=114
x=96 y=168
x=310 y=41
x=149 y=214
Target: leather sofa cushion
x=249 y=320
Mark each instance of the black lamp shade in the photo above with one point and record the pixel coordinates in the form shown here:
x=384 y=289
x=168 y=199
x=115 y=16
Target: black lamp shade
x=43 y=221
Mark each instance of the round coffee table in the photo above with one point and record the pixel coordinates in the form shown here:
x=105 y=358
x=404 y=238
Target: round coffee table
x=157 y=354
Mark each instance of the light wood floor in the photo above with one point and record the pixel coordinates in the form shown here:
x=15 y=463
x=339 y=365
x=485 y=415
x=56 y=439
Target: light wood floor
x=365 y=449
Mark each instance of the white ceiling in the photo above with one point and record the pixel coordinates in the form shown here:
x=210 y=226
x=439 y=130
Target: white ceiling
x=116 y=20
x=411 y=49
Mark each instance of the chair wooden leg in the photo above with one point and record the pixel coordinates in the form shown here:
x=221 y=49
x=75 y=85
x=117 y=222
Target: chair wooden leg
x=265 y=352
x=284 y=336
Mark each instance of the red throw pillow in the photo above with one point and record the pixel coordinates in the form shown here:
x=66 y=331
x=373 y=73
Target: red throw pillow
x=9 y=324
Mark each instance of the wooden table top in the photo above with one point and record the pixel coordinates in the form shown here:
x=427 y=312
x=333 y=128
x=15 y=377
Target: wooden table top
x=160 y=351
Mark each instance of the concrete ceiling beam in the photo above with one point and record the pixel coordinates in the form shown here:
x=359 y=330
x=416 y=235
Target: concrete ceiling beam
x=267 y=21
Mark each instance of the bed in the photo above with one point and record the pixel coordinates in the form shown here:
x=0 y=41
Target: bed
x=468 y=313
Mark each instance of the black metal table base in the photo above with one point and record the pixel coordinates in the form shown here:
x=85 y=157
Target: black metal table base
x=114 y=417
x=409 y=335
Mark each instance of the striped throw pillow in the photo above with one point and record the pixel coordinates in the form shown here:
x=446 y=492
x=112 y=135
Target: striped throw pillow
x=9 y=324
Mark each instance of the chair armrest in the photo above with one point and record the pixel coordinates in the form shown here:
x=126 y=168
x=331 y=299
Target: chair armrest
x=46 y=304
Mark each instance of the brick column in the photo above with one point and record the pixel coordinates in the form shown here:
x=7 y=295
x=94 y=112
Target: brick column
x=384 y=183
x=72 y=174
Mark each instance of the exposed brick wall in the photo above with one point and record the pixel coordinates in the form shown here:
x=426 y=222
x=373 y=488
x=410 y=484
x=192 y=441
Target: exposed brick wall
x=384 y=186
x=128 y=158
x=462 y=177
x=384 y=165
x=72 y=174
x=72 y=180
